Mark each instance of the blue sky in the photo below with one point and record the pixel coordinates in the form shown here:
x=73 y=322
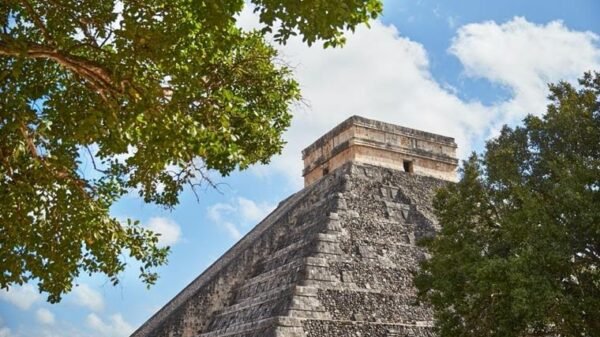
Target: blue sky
x=460 y=68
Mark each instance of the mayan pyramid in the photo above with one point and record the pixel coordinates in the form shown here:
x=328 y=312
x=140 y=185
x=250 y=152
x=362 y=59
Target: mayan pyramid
x=334 y=259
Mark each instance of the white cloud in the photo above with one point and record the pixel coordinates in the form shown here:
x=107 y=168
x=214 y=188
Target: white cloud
x=23 y=297
x=524 y=57
x=232 y=230
x=378 y=74
x=131 y=151
x=5 y=332
x=518 y=51
x=49 y=328
x=253 y=212
x=216 y=211
x=169 y=230
x=244 y=212
x=44 y=316
x=247 y=19
x=382 y=75
x=85 y=296
x=115 y=326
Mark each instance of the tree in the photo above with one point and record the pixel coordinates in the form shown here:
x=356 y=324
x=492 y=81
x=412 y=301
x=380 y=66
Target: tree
x=174 y=84
x=518 y=253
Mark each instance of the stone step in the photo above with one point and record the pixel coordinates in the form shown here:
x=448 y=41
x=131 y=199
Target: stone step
x=327 y=237
x=265 y=296
x=287 y=249
x=318 y=269
x=293 y=327
x=254 y=311
x=311 y=268
x=305 y=231
x=306 y=242
x=296 y=290
x=244 y=328
x=292 y=266
x=284 y=255
x=305 y=304
x=298 y=301
x=312 y=238
x=281 y=276
x=291 y=300
x=325 y=245
x=285 y=326
x=296 y=237
x=270 y=296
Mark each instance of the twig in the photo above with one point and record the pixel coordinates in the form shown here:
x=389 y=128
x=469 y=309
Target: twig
x=94 y=161
x=37 y=21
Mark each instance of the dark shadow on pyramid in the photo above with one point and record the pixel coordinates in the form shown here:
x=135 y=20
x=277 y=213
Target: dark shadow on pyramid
x=334 y=259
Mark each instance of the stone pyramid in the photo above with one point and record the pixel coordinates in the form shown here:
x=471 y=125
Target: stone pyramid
x=337 y=257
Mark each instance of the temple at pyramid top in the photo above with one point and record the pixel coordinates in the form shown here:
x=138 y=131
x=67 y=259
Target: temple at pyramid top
x=368 y=141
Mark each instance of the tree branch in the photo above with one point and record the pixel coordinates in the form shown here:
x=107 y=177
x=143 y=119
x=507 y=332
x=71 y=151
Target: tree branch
x=29 y=141
x=97 y=76
x=61 y=173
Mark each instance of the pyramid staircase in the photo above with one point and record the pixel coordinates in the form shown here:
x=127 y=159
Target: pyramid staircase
x=335 y=259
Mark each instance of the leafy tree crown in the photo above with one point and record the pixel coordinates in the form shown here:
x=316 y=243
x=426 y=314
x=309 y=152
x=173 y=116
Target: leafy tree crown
x=152 y=95
x=518 y=253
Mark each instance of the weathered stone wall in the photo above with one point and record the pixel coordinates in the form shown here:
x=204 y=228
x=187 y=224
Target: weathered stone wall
x=384 y=212
x=335 y=259
x=377 y=143
x=389 y=157
x=253 y=281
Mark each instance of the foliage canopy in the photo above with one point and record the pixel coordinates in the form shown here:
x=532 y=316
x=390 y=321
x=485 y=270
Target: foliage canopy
x=518 y=253
x=173 y=83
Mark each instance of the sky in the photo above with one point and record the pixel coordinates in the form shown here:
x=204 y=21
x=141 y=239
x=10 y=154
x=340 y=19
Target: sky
x=458 y=68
